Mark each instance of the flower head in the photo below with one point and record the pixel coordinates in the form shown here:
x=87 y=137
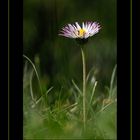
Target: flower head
x=76 y=31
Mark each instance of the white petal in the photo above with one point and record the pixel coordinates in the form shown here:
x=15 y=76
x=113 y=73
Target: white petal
x=78 y=26
x=71 y=27
x=94 y=32
x=89 y=26
x=74 y=35
x=75 y=28
x=83 y=26
x=86 y=35
x=86 y=25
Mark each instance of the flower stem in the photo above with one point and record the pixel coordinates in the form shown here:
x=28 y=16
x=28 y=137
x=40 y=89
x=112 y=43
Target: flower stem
x=84 y=88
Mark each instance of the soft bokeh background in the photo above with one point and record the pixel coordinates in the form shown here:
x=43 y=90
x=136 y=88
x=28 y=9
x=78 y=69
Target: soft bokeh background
x=58 y=59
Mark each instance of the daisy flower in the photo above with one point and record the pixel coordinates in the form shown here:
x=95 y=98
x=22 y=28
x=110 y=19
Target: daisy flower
x=81 y=35
x=76 y=31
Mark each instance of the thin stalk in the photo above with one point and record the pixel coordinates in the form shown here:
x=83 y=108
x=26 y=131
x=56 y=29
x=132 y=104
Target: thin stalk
x=84 y=88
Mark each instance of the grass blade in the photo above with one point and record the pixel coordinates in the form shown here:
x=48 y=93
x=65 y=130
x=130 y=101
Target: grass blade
x=93 y=92
x=35 y=71
x=112 y=81
x=78 y=89
x=31 y=90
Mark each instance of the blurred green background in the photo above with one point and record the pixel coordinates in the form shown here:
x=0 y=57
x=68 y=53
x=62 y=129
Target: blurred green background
x=59 y=58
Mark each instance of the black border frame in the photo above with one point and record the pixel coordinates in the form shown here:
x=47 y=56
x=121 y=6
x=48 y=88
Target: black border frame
x=14 y=49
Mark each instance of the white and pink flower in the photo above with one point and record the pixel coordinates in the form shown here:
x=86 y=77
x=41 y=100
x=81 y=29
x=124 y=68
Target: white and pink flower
x=76 y=31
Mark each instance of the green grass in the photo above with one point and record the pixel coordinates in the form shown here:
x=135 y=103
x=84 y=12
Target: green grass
x=52 y=113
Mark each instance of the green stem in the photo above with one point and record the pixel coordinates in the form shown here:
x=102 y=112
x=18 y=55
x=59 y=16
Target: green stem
x=84 y=88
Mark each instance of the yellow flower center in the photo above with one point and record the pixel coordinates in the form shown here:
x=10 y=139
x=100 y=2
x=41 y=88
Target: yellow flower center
x=81 y=32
